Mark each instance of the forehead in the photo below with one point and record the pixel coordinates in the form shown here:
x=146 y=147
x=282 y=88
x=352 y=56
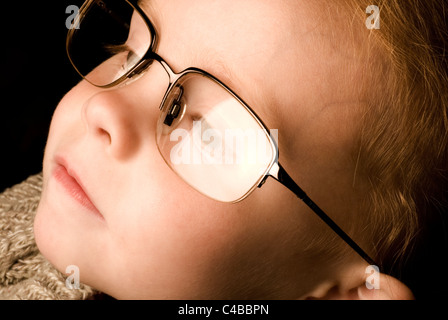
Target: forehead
x=242 y=28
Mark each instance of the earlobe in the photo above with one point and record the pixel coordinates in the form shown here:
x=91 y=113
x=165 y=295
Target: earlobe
x=390 y=288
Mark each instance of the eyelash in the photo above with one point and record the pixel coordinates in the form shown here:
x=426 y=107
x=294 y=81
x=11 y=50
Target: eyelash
x=117 y=48
x=120 y=48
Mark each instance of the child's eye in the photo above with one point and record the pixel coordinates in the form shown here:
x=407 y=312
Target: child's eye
x=123 y=56
x=131 y=60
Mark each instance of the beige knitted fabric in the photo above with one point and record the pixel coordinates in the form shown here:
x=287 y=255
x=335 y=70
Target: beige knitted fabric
x=24 y=272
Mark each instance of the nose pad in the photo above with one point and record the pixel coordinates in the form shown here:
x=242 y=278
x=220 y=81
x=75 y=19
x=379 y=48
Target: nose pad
x=172 y=114
x=175 y=108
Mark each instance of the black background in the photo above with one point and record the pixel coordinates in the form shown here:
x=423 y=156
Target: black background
x=35 y=74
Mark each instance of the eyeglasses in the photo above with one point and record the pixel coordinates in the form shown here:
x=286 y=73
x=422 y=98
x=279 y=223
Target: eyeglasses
x=205 y=133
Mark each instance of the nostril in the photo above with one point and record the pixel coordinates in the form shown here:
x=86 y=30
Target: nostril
x=104 y=135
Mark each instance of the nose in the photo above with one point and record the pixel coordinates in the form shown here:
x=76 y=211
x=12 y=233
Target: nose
x=122 y=118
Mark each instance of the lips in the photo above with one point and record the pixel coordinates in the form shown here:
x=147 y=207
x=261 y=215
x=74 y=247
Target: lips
x=73 y=186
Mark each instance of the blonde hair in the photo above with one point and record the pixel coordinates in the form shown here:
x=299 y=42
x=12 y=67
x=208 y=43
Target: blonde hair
x=403 y=152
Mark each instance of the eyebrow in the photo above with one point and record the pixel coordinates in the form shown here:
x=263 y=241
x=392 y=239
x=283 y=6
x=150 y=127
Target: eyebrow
x=214 y=61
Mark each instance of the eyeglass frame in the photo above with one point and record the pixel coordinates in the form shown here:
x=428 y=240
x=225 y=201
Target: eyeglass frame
x=274 y=170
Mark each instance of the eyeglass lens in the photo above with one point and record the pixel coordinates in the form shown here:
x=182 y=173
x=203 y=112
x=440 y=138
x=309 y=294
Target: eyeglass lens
x=101 y=44
x=211 y=140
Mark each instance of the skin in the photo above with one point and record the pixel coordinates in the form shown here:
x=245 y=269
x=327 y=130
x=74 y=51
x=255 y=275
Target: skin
x=159 y=238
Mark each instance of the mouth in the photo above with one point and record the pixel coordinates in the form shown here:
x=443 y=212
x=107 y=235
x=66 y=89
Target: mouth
x=73 y=186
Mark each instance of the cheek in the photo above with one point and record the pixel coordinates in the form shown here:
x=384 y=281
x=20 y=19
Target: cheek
x=174 y=250
x=195 y=248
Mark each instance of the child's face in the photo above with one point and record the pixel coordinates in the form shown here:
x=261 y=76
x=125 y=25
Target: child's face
x=154 y=236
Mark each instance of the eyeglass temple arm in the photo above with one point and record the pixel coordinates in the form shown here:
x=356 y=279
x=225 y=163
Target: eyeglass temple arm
x=279 y=174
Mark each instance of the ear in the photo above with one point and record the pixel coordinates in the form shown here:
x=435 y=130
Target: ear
x=386 y=288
